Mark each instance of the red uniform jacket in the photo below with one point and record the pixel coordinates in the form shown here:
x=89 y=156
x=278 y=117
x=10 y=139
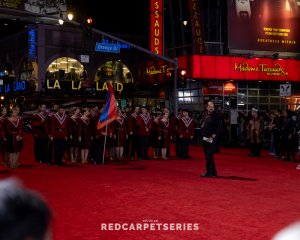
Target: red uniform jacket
x=59 y=126
x=132 y=123
x=39 y=126
x=144 y=122
x=186 y=127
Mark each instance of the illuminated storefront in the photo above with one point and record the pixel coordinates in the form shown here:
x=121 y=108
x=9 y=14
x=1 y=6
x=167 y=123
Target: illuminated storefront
x=241 y=83
x=62 y=65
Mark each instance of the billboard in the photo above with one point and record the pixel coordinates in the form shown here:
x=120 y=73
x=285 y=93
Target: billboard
x=46 y=7
x=264 y=25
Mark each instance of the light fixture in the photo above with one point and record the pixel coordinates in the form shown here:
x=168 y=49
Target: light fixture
x=70 y=16
x=60 y=20
x=185 y=22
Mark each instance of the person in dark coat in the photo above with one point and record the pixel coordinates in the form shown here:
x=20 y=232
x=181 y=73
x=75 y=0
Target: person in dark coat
x=209 y=132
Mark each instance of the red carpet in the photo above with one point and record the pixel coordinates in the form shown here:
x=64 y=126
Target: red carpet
x=252 y=198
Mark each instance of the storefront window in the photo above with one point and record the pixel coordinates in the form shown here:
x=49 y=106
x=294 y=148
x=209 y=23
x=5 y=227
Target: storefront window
x=191 y=99
x=265 y=97
x=275 y=100
x=274 y=91
x=65 y=69
x=263 y=100
x=264 y=92
x=114 y=71
x=253 y=92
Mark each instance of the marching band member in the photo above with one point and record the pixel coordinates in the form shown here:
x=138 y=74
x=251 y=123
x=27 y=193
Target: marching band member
x=59 y=134
x=14 y=128
x=40 y=135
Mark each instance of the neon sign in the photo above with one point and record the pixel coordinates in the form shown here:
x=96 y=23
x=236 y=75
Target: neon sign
x=156 y=26
x=31 y=43
x=18 y=86
x=277 y=70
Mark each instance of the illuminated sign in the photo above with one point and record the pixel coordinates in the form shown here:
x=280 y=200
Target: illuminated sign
x=240 y=68
x=13 y=4
x=120 y=44
x=219 y=88
x=31 y=43
x=77 y=85
x=197 y=28
x=14 y=87
x=155 y=71
x=107 y=47
x=229 y=88
x=269 y=25
x=152 y=70
x=276 y=70
x=156 y=26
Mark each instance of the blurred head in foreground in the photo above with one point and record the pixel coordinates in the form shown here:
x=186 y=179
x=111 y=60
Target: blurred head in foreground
x=291 y=232
x=24 y=215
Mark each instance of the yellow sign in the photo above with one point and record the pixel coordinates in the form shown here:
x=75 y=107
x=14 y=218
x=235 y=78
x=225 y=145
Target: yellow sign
x=276 y=70
x=77 y=85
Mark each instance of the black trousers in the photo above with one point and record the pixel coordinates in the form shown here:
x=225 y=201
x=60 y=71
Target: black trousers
x=184 y=148
x=144 y=147
x=100 y=152
x=41 y=149
x=133 y=148
x=209 y=149
x=59 y=147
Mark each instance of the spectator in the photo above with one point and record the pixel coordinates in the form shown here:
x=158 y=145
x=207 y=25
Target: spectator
x=23 y=213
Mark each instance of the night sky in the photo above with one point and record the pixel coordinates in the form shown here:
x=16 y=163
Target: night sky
x=128 y=17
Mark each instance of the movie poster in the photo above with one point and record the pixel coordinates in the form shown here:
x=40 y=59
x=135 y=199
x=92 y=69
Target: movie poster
x=264 y=25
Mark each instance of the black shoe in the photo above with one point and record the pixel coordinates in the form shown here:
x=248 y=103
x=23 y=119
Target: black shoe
x=205 y=175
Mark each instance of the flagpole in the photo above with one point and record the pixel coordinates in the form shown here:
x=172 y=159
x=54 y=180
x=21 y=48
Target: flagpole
x=104 y=145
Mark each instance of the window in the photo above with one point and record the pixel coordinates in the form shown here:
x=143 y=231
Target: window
x=65 y=69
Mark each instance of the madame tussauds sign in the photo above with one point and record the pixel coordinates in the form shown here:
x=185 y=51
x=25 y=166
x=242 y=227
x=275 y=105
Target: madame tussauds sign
x=240 y=68
x=276 y=70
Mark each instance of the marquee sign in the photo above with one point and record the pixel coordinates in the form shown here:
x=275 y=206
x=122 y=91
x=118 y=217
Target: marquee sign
x=156 y=26
x=240 y=68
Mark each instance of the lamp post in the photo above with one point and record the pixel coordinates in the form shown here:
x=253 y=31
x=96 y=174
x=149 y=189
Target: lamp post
x=175 y=87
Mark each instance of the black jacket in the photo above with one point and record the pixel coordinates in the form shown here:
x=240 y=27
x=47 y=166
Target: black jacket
x=210 y=125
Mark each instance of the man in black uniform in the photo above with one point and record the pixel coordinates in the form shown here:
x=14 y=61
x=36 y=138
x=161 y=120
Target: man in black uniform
x=209 y=132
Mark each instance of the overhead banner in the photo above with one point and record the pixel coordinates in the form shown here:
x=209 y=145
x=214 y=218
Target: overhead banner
x=156 y=26
x=264 y=25
x=240 y=68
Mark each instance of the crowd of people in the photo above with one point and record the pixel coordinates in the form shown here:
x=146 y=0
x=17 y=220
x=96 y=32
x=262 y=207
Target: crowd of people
x=72 y=135
x=277 y=130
